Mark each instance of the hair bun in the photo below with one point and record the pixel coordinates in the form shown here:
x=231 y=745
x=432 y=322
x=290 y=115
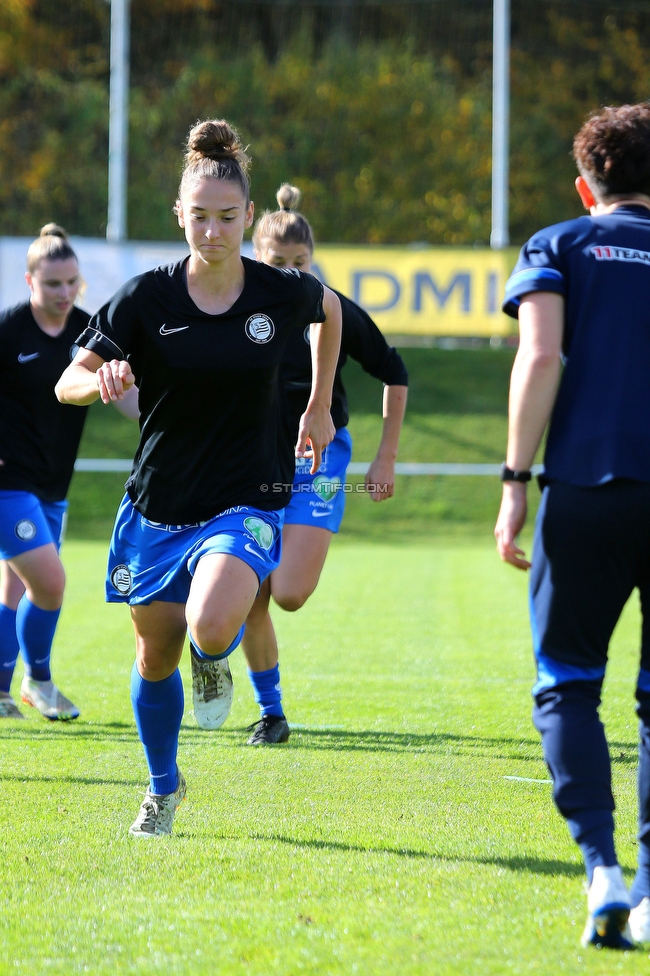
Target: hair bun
x=53 y=230
x=215 y=139
x=288 y=197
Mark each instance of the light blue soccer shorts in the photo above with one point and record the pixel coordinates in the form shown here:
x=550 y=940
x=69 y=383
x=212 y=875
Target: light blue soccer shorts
x=318 y=499
x=151 y=561
x=26 y=523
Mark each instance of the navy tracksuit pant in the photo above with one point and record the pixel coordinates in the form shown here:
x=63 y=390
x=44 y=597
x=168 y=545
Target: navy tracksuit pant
x=591 y=549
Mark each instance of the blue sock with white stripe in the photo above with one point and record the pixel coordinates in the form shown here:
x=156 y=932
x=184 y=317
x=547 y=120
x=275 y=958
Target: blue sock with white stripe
x=158 y=709
x=8 y=646
x=196 y=650
x=35 y=630
x=266 y=688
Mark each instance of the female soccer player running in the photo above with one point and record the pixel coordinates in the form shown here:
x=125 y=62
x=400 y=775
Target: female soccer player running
x=284 y=239
x=580 y=292
x=199 y=528
x=39 y=439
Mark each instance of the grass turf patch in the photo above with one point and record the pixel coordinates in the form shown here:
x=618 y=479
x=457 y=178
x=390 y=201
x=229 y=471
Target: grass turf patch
x=382 y=838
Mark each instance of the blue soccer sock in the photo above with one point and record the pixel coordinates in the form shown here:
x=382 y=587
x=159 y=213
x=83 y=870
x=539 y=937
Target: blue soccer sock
x=266 y=688
x=196 y=650
x=158 y=709
x=35 y=630
x=8 y=646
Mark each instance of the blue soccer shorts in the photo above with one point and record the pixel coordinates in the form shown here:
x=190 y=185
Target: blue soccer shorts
x=319 y=499
x=151 y=561
x=27 y=523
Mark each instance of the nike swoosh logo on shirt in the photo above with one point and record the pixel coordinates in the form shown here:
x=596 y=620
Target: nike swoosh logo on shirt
x=165 y=331
x=22 y=358
x=247 y=547
x=318 y=514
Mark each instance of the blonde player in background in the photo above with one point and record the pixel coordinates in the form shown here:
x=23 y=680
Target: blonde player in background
x=284 y=239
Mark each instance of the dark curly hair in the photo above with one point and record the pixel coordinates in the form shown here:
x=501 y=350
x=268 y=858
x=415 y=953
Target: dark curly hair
x=612 y=150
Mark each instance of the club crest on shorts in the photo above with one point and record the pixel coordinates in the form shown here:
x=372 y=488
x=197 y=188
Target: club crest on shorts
x=326 y=487
x=260 y=530
x=25 y=530
x=121 y=579
x=259 y=328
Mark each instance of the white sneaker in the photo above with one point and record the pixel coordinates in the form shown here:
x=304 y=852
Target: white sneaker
x=156 y=815
x=8 y=707
x=212 y=691
x=46 y=697
x=640 y=921
x=608 y=904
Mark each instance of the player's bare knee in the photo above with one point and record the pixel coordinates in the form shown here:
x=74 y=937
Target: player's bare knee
x=291 y=600
x=154 y=660
x=213 y=636
x=47 y=593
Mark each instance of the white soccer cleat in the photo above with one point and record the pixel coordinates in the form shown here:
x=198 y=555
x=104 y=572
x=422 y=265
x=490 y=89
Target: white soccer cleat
x=156 y=815
x=640 y=921
x=46 y=697
x=608 y=904
x=212 y=691
x=8 y=707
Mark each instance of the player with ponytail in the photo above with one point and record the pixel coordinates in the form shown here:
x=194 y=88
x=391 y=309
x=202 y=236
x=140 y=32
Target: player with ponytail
x=284 y=239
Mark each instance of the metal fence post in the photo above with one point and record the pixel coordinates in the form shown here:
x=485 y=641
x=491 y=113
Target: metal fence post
x=500 y=236
x=118 y=124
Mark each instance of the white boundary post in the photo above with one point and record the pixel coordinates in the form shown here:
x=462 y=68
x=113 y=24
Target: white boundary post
x=500 y=236
x=118 y=122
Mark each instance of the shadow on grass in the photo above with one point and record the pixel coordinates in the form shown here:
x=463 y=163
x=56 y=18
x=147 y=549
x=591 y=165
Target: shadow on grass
x=332 y=740
x=343 y=740
x=533 y=864
x=80 y=780
x=109 y=731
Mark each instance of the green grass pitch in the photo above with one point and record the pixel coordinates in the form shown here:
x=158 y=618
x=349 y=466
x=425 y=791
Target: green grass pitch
x=383 y=838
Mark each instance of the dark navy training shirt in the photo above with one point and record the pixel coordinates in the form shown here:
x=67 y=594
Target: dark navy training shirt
x=600 y=425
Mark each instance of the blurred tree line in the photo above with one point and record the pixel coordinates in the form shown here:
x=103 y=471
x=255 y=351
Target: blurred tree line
x=379 y=111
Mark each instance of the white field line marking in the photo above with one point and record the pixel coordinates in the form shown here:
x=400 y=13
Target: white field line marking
x=355 y=467
x=527 y=779
x=320 y=728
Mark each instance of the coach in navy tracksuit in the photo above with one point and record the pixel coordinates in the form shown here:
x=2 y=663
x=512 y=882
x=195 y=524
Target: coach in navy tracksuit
x=581 y=290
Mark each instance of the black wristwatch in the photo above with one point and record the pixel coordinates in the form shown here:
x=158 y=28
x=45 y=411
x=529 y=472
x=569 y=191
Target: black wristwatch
x=507 y=474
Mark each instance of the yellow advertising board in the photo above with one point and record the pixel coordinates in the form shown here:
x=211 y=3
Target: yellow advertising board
x=428 y=291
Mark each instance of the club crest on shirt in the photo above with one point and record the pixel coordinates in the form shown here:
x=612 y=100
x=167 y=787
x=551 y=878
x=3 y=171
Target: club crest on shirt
x=307 y=335
x=259 y=328
x=25 y=530
x=74 y=349
x=121 y=579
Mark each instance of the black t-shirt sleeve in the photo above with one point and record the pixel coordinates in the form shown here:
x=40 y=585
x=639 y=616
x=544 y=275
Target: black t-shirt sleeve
x=311 y=299
x=111 y=330
x=363 y=341
x=4 y=321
